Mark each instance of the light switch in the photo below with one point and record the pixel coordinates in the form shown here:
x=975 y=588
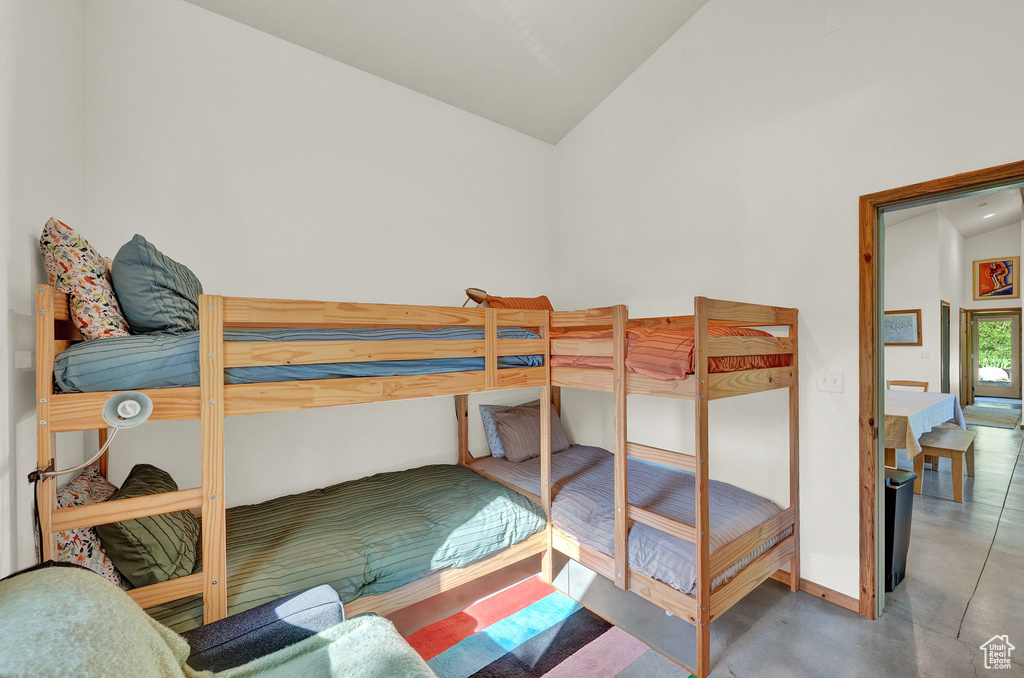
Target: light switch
x=832 y=382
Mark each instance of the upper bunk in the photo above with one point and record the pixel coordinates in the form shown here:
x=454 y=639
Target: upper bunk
x=277 y=345
x=661 y=355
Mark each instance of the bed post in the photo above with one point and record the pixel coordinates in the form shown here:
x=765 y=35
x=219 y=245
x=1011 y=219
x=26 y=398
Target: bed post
x=462 y=417
x=211 y=386
x=547 y=560
x=794 y=457
x=703 y=587
x=46 y=440
x=102 y=435
x=621 y=458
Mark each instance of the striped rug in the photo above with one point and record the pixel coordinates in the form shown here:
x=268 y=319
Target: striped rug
x=532 y=630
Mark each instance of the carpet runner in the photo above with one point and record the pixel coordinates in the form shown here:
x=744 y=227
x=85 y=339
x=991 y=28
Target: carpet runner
x=532 y=630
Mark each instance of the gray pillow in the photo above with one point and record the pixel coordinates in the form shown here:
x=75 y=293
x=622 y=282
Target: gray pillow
x=157 y=294
x=519 y=430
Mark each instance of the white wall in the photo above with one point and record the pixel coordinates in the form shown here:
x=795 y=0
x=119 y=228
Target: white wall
x=730 y=164
x=952 y=269
x=273 y=171
x=41 y=90
x=1003 y=242
x=912 y=281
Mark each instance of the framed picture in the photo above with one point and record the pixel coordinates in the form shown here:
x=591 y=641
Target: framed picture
x=902 y=328
x=996 y=278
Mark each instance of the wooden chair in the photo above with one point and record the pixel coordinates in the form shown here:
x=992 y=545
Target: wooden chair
x=923 y=385
x=953 y=443
x=890 y=455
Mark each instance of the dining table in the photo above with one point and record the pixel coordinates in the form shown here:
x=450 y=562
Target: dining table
x=911 y=414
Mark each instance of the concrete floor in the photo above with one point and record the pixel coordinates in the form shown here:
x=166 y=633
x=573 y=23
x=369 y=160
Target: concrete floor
x=965 y=584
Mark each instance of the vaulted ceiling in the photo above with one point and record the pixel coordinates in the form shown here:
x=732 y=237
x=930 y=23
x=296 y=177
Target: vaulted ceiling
x=536 y=66
x=971 y=215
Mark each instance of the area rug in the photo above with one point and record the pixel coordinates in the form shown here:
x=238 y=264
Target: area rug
x=997 y=417
x=532 y=630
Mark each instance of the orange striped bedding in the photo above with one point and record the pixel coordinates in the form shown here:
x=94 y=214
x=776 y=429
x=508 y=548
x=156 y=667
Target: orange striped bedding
x=666 y=353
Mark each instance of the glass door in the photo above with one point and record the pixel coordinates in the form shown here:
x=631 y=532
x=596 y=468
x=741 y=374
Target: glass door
x=996 y=356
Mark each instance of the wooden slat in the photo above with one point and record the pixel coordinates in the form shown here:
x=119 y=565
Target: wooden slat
x=102 y=435
x=462 y=422
x=751 y=576
x=728 y=384
x=529 y=495
x=46 y=439
x=165 y=592
x=248 y=312
x=263 y=353
x=664 y=596
x=621 y=461
x=639 y=384
x=105 y=512
x=723 y=558
x=585 y=318
x=719 y=309
x=523 y=377
x=794 y=459
x=61 y=304
x=679 y=460
x=81 y=411
x=590 y=347
x=702 y=495
x=546 y=396
x=445 y=580
x=521 y=317
x=599 y=562
x=671 y=526
x=211 y=385
x=579 y=377
x=491 y=353
x=743 y=346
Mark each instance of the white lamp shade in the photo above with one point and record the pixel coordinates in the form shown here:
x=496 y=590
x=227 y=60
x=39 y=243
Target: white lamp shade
x=127 y=409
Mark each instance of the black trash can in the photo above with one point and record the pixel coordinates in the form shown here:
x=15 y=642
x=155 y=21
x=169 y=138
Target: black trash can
x=899 y=510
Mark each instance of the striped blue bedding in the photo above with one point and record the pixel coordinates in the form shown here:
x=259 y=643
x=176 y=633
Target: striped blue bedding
x=169 y=360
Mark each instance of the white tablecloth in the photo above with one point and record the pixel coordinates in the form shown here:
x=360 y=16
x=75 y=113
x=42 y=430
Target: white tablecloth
x=911 y=414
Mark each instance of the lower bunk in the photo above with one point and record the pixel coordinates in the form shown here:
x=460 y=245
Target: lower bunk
x=382 y=542
x=744 y=527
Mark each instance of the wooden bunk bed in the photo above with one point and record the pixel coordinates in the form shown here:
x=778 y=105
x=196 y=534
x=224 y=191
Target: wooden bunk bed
x=706 y=604
x=213 y=400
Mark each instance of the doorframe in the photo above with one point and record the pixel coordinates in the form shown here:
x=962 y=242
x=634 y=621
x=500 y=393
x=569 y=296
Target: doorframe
x=871 y=412
x=946 y=357
x=972 y=315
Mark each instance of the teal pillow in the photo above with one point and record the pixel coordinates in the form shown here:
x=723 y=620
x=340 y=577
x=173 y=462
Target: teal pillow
x=157 y=294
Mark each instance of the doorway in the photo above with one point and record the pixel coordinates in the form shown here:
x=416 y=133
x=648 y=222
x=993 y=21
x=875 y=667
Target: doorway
x=871 y=241
x=995 y=354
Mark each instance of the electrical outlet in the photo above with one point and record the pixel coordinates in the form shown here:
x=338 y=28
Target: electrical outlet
x=831 y=382
x=23 y=360
x=927 y=355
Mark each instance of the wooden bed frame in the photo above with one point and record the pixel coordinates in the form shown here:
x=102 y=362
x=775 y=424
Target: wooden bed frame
x=702 y=387
x=212 y=401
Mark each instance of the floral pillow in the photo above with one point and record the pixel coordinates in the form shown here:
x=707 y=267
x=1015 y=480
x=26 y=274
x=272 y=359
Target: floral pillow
x=82 y=545
x=74 y=267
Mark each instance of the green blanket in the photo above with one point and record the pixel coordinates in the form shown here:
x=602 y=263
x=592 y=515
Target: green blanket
x=363 y=537
x=71 y=622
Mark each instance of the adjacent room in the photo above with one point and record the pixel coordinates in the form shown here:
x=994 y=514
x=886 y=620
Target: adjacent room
x=465 y=338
